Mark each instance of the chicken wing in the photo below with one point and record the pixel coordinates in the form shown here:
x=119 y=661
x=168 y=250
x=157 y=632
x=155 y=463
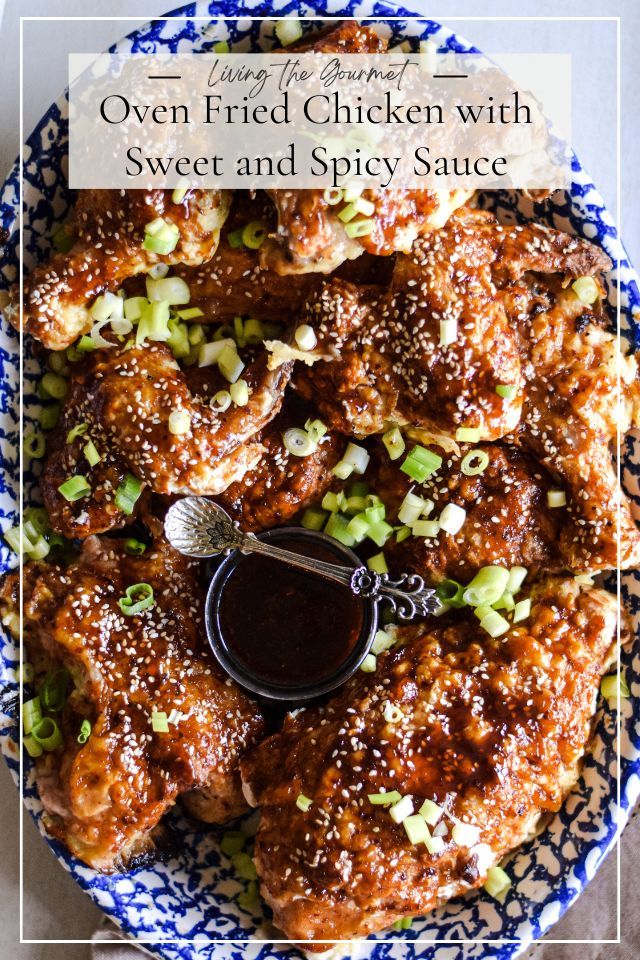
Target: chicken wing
x=281 y=484
x=126 y=398
x=310 y=237
x=104 y=798
x=108 y=229
x=492 y=731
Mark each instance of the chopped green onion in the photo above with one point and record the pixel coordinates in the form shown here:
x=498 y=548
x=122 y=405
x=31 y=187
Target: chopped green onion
x=137 y=598
x=368 y=665
x=47 y=734
x=612 y=686
x=160 y=237
x=54 y=689
x=378 y=563
x=359 y=228
x=245 y=867
x=358 y=527
x=31 y=714
x=468 y=434
x=221 y=401
x=86 y=345
x=430 y=812
x=411 y=508
x=254 y=331
x=230 y=364
x=313 y=519
x=159 y=722
x=487 y=586
x=173 y=290
x=91 y=454
x=298 y=443
x=416 y=829
x=305 y=337
x=210 y=353
x=482 y=611
x=394 y=443
x=401 y=810
x=39 y=518
x=506 y=390
x=522 y=610
x=425 y=528
x=180 y=193
x=336 y=527
x=381 y=642
x=154 y=324
x=232 y=842
x=474 y=462
x=435 y=845
x=192 y=313
x=316 y=429
x=452 y=518
x=497 y=882
x=332 y=502
x=365 y=207
x=421 y=464
x=586 y=290
x=517 y=576
x=249 y=899
x=385 y=799
x=333 y=196
x=506 y=602
x=357 y=457
x=85 y=732
x=352 y=193
x=128 y=493
x=54 y=386
x=133 y=547
x=342 y=470
x=62 y=242
x=196 y=333
x=465 y=834
x=234 y=239
x=380 y=532
x=494 y=624
x=25 y=673
x=58 y=362
x=556 y=498
x=374 y=513
x=240 y=393
x=179 y=422
x=106 y=306
x=303 y=803
x=34 y=445
x=254 y=234
x=288 y=31
x=221 y=47
x=75 y=488
x=451 y=592
x=78 y=431
x=448 y=331
x=348 y=213
x=134 y=307
x=49 y=416
x=32 y=747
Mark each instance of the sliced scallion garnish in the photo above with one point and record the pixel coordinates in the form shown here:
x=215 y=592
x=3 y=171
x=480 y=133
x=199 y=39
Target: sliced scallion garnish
x=378 y=563
x=47 y=734
x=127 y=494
x=137 y=598
x=75 y=488
x=34 y=445
x=135 y=548
x=385 y=799
x=487 y=586
x=54 y=689
x=421 y=463
x=254 y=234
x=497 y=882
x=303 y=803
x=159 y=722
x=474 y=462
x=394 y=443
x=85 y=732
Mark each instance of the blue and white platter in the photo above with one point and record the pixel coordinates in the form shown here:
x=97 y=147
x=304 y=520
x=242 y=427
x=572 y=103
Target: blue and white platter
x=188 y=906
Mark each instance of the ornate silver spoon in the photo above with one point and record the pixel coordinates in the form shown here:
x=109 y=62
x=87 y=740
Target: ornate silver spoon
x=199 y=527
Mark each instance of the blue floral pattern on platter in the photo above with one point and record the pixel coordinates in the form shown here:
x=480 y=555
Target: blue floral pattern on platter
x=193 y=897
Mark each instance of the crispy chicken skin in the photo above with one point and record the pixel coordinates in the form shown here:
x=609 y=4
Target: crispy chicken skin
x=281 y=485
x=518 y=324
x=309 y=236
x=493 y=730
x=104 y=798
x=508 y=521
x=126 y=398
x=108 y=229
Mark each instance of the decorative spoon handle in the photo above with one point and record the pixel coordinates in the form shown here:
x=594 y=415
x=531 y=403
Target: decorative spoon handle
x=200 y=528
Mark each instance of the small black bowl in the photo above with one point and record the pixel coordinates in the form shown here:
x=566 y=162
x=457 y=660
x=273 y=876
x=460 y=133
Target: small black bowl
x=239 y=671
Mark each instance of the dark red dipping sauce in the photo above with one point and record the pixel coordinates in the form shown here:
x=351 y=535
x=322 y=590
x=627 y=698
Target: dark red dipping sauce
x=285 y=626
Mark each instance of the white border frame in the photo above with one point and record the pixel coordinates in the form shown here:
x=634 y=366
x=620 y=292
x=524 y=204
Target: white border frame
x=244 y=943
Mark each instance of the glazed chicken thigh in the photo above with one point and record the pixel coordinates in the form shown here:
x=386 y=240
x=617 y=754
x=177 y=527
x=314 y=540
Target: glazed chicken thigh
x=491 y=731
x=108 y=231
x=104 y=798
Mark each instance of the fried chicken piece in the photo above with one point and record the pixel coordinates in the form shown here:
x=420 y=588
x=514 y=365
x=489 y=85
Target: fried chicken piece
x=310 y=237
x=126 y=398
x=281 y=485
x=104 y=799
x=508 y=521
x=108 y=228
x=491 y=730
